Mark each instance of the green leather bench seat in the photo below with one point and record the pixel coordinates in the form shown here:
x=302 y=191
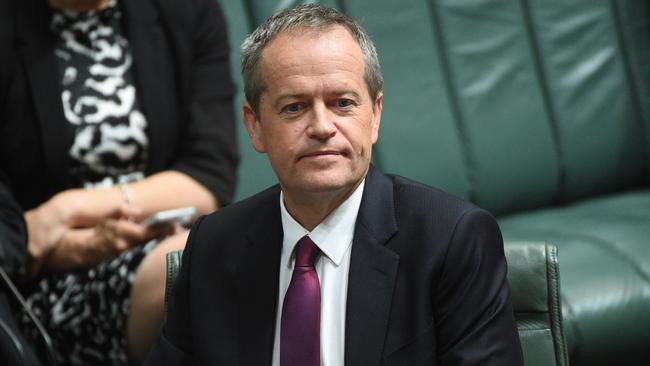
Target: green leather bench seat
x=604 y=253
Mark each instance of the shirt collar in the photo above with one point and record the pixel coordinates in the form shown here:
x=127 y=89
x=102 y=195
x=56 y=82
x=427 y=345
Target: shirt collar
x=333 y=236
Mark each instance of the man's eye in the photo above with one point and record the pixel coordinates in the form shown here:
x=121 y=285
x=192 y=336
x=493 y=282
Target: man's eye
x=344 y=103
x=293 y=108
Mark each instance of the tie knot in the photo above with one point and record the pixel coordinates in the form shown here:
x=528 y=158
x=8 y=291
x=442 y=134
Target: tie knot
x=306 y=252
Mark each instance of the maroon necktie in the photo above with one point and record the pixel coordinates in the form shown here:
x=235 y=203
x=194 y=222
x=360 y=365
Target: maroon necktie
x=300 y=328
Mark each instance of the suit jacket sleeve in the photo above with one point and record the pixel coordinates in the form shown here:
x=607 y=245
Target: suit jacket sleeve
x=174 y=344
x=475 y=319
x=209 y=150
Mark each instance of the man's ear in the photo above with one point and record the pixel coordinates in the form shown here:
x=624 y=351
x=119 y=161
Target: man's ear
x=253 y=127
x=376 y=116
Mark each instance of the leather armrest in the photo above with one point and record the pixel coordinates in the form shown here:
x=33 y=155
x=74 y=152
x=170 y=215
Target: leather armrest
x=174 y=260
x=533 y=277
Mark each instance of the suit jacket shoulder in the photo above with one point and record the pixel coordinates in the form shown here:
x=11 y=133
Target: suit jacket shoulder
x=243 y=218
x=422 y=199
x=227 y=288
x=222 y=237
x=453 y=298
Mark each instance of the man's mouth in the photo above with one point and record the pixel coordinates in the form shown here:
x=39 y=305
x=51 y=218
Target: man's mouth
x=320 y=153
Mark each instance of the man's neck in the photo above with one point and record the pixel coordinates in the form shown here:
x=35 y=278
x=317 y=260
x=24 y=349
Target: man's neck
x=310 y=208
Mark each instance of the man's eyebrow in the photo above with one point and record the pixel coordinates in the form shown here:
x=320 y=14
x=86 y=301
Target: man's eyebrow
x=351 y=92
x=289 y=96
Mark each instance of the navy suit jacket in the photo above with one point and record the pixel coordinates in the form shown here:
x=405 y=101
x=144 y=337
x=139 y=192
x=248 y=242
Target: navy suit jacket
x=427 y=284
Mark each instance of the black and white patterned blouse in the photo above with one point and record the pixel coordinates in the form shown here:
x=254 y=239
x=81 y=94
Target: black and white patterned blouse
x=99 y=97
x=85 y=311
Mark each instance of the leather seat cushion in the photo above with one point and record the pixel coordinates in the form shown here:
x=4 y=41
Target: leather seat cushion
x=604 y=260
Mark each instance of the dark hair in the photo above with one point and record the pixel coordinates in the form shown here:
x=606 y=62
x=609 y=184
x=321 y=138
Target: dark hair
x=309 y=16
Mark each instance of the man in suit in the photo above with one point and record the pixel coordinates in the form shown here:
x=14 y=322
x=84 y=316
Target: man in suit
x=339 y=264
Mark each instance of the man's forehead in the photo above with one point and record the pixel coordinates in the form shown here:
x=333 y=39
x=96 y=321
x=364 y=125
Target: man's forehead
x=295 y=47
x=302 y=37
x=308 y=61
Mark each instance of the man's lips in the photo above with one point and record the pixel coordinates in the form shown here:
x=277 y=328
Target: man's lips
x=316 y=154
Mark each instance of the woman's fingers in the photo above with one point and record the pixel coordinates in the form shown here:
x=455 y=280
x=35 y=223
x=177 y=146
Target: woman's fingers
x=129 y=212
x=86 y=247
x=135 y=233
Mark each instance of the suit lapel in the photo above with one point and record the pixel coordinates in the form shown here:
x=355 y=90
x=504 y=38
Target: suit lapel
x=373 y=269
x=41 y=66
x=258 y=286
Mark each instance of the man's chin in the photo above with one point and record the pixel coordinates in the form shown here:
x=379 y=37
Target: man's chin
x=325 y=184
x=333 y=180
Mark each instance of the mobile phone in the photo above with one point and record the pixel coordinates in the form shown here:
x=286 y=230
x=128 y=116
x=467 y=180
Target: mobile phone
x=182 y=216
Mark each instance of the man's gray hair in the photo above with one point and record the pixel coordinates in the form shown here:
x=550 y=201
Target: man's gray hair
x=306 y=16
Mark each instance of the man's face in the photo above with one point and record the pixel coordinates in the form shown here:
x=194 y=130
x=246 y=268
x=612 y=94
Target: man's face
x=316 y=120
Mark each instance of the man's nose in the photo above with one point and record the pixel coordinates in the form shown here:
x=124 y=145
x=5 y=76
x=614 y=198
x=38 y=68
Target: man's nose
x=321 y=126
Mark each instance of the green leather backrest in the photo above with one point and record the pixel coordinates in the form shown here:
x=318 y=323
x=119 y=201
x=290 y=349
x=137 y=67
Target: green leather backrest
x=415 y=95
x=599 y=123
x=512 y=104
x=533 y=277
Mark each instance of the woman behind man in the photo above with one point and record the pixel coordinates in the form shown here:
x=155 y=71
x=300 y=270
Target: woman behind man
x=110 y=110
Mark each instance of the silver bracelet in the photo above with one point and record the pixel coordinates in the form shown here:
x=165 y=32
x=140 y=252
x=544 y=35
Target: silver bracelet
x=126 y=193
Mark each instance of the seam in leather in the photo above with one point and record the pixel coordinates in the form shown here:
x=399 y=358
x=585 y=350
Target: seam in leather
x=633 y=88
x=454 y=101
x=542 y=77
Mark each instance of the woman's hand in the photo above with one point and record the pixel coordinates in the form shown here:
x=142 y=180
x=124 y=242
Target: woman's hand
x=84 y=209
x=79 y=208
x=89 y=246
x=71 y=209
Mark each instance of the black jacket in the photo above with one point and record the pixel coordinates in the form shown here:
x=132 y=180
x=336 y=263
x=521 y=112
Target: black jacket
x=181 y=72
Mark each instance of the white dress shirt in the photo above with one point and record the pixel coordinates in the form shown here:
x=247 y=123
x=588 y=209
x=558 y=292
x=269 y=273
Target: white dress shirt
x=333 y=237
